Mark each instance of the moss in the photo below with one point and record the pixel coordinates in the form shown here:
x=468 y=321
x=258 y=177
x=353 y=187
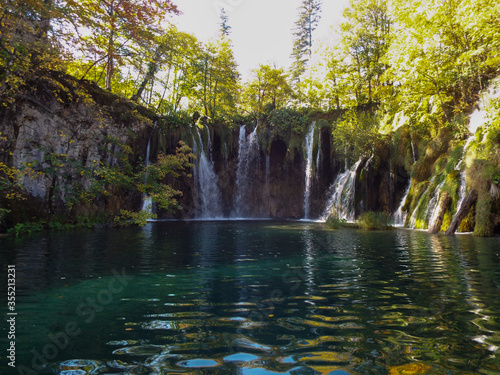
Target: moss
x=451 y=186
x=374 y=220
x=484 y=226
x=467 y=224
x=454 y=156
x=441 y=163
x=421 y=170
x=447 y=218
x=434 y=156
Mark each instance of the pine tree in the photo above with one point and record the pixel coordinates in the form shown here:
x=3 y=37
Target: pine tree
x=309 y=16
x=224 y=27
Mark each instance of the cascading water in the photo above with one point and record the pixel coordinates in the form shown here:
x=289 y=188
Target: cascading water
x=463 y=183
x=431 y=213
x=341 y=202
x=207 y=192
x=248 y=152
x=413 y=218
x=147 y=202
x=308 y=172
x=478 y=118
x=399 y=216
x=319 y=156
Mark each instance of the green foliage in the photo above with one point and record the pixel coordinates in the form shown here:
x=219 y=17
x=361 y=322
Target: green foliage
x=286 y=120
x=355 y=135
x=268 y=90
x=452 y=185
x=365 y=41
x=128 y=218
x=216 y=81
x=374 y=220
x=174 y=166
x=25 y=228
x=333 y=222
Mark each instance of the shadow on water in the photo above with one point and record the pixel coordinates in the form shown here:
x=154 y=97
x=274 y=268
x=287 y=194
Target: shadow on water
x=255 y=298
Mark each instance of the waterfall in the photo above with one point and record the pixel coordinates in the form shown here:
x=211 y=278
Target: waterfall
x=399 y=216
x=342 y=195
x=308 y=172
x=478 y=118
x=248 y=152
x=319 y=154
x=207 y=193
x=413 y=217
x=463 y=185
x=147 y=202
x=431 y=212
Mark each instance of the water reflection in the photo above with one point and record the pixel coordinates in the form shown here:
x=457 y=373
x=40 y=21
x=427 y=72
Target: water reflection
x=245 y=298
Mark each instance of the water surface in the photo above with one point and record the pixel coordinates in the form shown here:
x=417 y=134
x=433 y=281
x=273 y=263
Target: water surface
x=254 y=298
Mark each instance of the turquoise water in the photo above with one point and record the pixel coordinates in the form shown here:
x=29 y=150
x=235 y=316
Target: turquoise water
x=254 y=298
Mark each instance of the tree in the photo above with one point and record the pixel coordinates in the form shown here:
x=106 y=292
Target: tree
x=216 y=80
x=169 y=47
x=309 y=16
x=119 y=29
x=441 y=56
x=268 y=87
x=28 y=42
x=365 y=41
x=224 y=27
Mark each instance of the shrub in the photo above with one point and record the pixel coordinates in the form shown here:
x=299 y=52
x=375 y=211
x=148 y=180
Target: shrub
x=128 y=218
x=334 y=222
x=25 y=228
x=374 y=220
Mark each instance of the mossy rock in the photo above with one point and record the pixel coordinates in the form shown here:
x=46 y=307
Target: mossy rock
x=484 y=225
x=447 y=218
x=467 y=224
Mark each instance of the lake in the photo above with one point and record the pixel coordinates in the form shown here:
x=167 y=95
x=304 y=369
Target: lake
x=253 y=297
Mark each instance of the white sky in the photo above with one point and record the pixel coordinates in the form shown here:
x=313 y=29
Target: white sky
x=261 y=30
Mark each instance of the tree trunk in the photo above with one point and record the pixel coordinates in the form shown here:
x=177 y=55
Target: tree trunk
x=438 y=216
x=150 y=74
x=110 y=68
x=467 y=204
x=153 y=67
x=110 y=64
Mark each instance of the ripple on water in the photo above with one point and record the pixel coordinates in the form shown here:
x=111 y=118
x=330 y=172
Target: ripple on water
x=241 y=357
x=198 y=363
x=141 y=350
x=80 y=367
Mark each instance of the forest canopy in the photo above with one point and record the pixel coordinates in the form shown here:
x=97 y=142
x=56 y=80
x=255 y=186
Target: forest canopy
x=425 y=58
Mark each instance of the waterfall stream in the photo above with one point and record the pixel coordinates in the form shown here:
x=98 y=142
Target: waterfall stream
x=248 y=152
x=413 y=218
x=308 y=171
x=399 y=216
x=432 y=211
x=478 y=118
x=208 y=195
x=341 y=202
x=147 y=202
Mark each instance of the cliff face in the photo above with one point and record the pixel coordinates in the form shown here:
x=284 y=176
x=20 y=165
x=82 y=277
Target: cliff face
x=259 y=174
x=70 y=143
x=59 y=140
